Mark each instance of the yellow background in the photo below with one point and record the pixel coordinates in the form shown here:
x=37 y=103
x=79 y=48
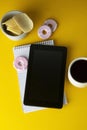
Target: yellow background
x=72 y=33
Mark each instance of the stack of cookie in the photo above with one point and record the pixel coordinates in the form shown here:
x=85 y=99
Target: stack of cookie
x=19 y=24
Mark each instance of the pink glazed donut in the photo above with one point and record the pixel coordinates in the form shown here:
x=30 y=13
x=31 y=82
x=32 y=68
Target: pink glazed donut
x=20 y=63
x=44 y=32
x=51 y=23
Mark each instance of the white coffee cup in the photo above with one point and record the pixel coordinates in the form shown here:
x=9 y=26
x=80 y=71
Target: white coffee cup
x=7 y=16
x=75 y=74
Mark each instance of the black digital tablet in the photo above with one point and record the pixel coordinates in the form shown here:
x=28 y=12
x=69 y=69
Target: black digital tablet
x=45 y=76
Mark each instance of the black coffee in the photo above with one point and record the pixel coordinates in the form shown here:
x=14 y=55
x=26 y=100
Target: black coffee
x=79 y=71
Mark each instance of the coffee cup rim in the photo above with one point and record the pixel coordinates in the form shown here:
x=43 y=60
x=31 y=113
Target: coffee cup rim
x=71 y=79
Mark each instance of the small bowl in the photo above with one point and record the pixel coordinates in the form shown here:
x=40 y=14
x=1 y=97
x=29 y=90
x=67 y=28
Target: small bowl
x=7 y=16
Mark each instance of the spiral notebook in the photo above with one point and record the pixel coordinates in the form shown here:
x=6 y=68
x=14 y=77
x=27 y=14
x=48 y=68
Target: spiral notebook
x=23 y=50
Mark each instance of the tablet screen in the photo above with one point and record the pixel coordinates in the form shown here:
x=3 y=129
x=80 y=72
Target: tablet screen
x=45 y=76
